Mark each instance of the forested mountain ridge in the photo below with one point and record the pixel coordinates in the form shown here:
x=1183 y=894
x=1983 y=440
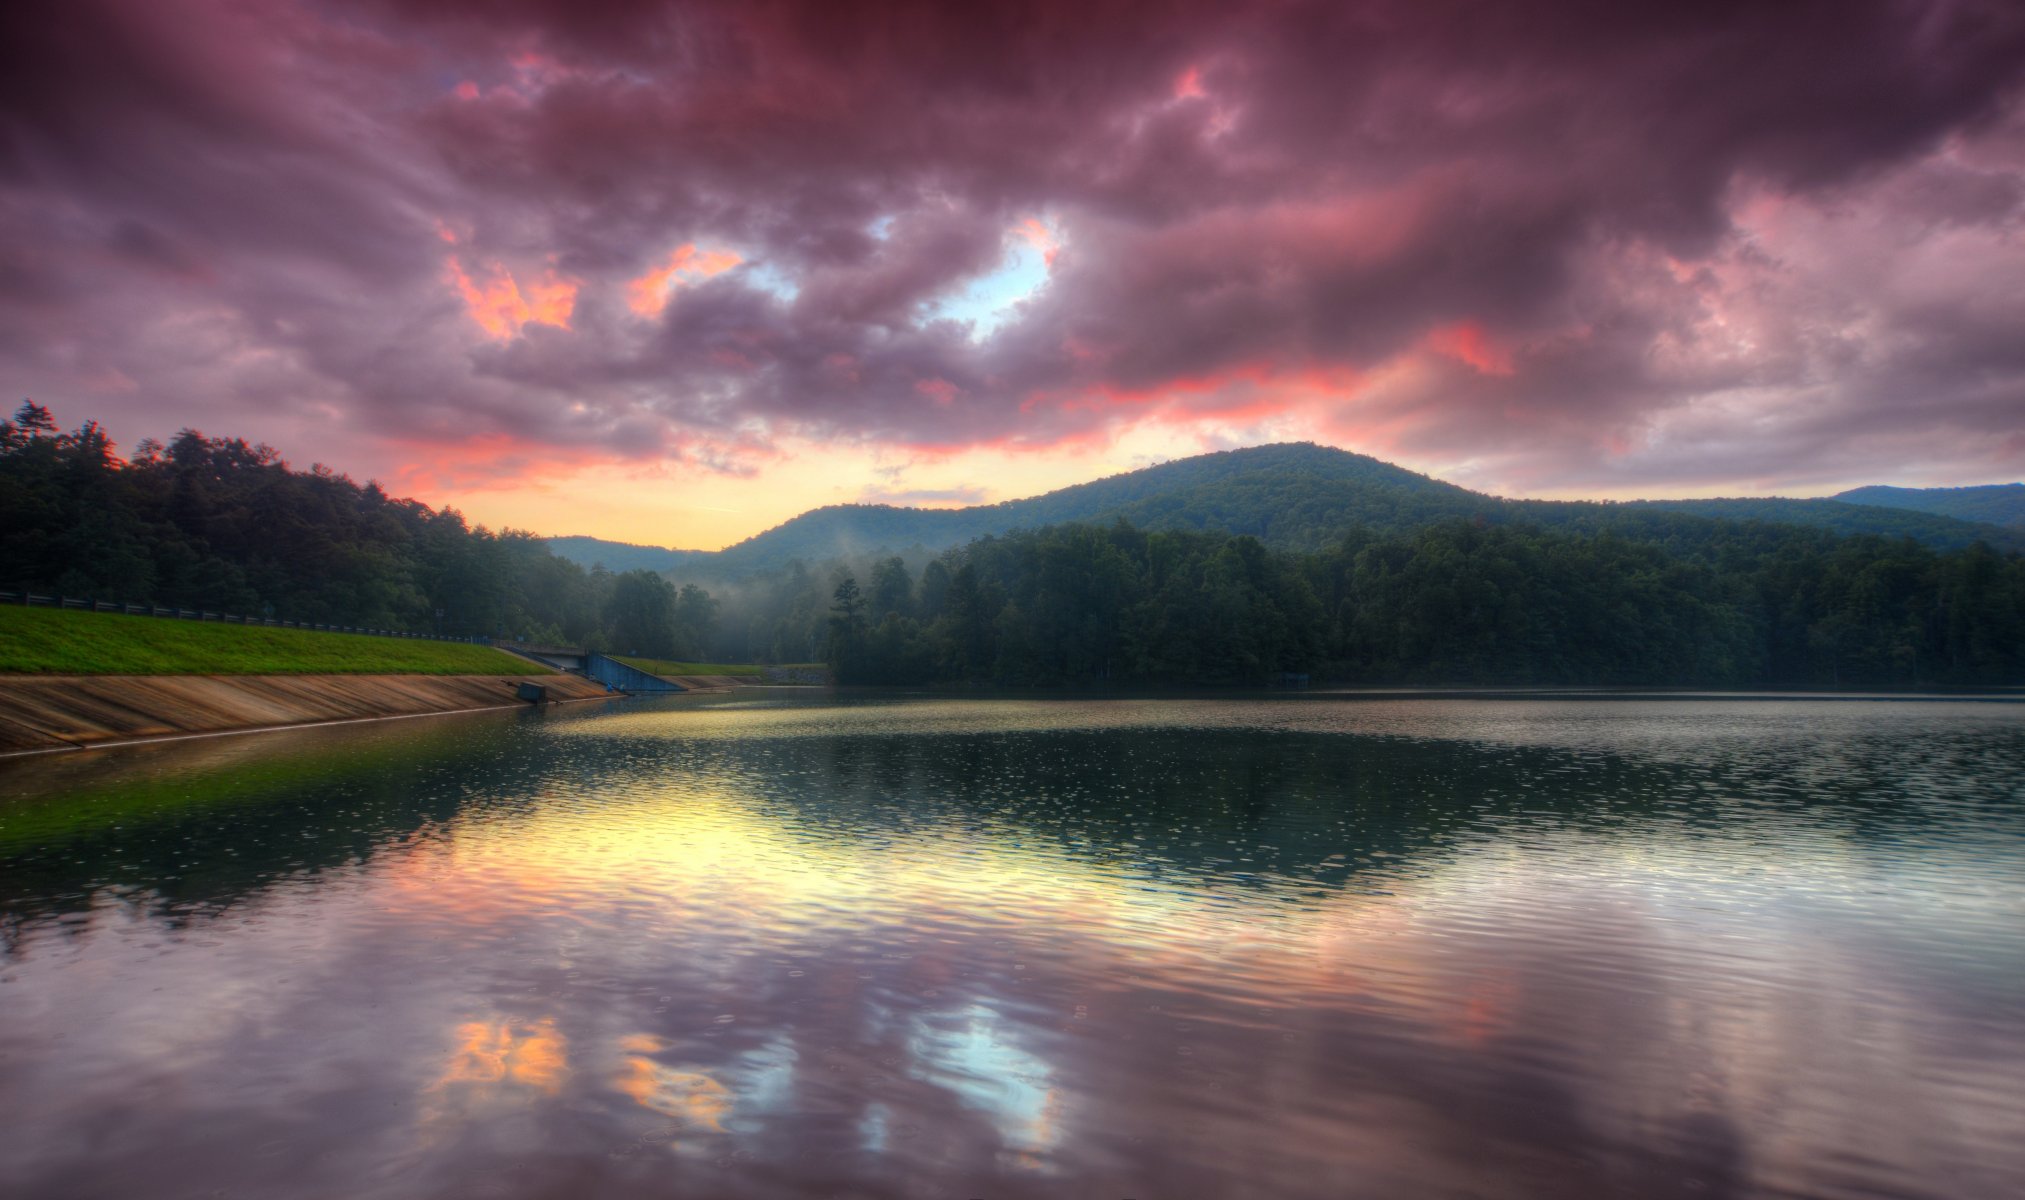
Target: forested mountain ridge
x=218 y=524
x=1294 y=488
x=1458 y=602
x=621 y=556
x=1993 y=503
x=1583 y=594
x=1291 y=496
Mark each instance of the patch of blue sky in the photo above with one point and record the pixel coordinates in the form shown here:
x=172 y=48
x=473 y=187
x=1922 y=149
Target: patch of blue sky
x=990 y=300
x=771 y=280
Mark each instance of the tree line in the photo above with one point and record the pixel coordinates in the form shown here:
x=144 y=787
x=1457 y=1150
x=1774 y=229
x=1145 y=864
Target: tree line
x=1636 y=598
x=218 y=524
x=1456 y=602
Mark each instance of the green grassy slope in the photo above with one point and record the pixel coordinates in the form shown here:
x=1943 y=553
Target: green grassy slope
x=47 y=641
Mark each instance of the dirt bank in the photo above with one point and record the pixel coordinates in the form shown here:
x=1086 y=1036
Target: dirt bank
x=55 y=712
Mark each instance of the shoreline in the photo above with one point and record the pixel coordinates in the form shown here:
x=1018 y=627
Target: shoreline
x=52 y=714
x=1429 y=692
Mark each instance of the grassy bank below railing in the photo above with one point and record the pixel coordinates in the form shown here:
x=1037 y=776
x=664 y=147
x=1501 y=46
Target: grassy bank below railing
x=46 y=641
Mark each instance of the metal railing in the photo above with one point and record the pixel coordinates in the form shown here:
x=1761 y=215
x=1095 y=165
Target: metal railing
x=88 y=604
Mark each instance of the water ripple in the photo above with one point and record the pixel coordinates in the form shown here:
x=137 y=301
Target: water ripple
x=1197 y=948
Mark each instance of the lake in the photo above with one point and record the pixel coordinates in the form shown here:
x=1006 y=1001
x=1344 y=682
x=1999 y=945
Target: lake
x=783 y=944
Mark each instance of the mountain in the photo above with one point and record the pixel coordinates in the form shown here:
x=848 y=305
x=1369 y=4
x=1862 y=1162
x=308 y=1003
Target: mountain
x=621 y=556
x=1994 y=503
x=1292 y=496
x=1836 y=516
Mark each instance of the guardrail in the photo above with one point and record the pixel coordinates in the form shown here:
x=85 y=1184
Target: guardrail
x=87 y=604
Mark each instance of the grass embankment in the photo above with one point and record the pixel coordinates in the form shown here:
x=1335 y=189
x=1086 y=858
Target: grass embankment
x=49 y=641
x=662 y=666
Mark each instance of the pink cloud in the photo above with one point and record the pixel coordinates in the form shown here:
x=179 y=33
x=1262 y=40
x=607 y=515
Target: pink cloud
x=648 y=294
x=502 y=306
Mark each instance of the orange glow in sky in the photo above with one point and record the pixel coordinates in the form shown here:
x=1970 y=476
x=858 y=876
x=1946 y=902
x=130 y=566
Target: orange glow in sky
x=662 y=502
x=1466 y=342
x=501 y=304
x=648 y=294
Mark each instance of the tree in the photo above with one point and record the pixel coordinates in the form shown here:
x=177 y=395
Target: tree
x=847 y=601
x=641 y=614
x=695 y=620
x=1632 y=596
x=847 y=629
x=892 y=589
x=934 y=590
x=33 y=420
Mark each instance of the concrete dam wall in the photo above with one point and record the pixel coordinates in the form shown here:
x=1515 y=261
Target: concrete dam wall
x=55 y=712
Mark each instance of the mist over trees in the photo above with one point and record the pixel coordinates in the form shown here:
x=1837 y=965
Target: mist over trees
x=1637 y=597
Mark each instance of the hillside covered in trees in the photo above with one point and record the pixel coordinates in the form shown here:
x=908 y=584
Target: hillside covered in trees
x=1462 y=602
x=1612 y=594
x=1293 y=496
x=1990 y=504
x=215 y=523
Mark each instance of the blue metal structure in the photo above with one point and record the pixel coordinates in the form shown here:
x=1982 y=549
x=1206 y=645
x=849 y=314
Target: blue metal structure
x=613 y=673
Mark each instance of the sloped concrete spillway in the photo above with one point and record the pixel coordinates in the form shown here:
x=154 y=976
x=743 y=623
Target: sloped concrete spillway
x=613 y=673
x=55 y=712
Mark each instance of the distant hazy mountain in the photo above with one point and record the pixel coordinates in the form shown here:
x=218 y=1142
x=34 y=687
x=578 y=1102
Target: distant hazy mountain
x=1293 y=496
x=1995 y=503
x=621 y=556
x=1829 y=513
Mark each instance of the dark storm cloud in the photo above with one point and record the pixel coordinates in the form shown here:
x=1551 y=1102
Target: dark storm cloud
x=1559 y=243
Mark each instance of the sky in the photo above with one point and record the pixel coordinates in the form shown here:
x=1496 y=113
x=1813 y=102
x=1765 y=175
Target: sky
x=673 y=273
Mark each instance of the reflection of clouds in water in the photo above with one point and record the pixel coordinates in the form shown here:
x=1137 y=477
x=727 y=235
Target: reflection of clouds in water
x=691 y=1097
x=972 y=1054
x=873 y=1128
x=850 y=974
x=494 y=1063
x=765 y=1079
x=733 y=1098
x=530 y=1054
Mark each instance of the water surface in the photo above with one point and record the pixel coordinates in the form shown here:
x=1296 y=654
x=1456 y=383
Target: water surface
x=779 y=945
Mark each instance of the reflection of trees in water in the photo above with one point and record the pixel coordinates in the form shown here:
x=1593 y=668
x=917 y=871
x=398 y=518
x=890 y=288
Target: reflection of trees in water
x=1246 y=803
x=1237 y=804
x=894 y=1049
x=190 y=831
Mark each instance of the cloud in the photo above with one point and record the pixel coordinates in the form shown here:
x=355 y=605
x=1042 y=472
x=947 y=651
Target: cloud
x=648 y=294
x=1549 y=247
